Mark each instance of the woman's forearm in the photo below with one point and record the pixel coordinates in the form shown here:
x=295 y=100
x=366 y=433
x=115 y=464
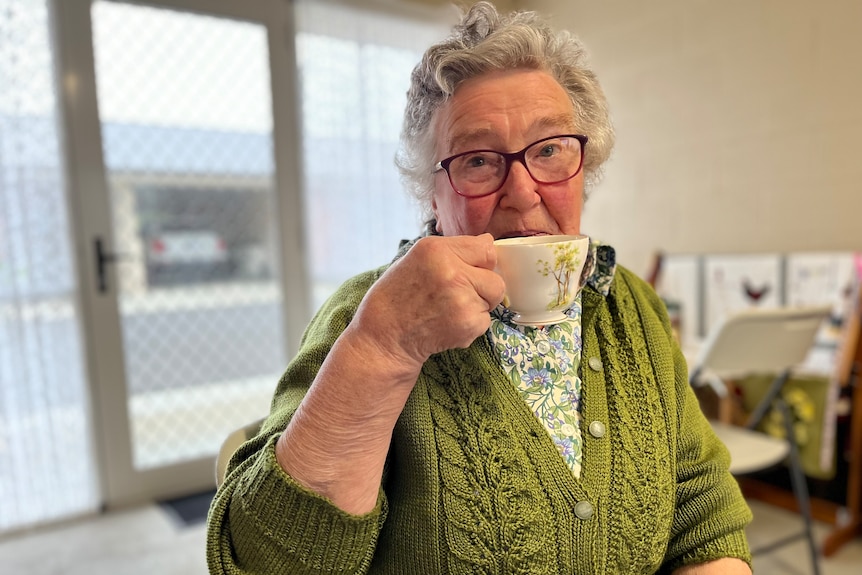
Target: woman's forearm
x=337 y=441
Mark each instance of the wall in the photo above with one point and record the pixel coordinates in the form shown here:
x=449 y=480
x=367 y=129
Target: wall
x=738 y=123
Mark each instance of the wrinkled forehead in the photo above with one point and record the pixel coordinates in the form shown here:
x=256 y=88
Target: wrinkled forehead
x=509 y=108
x=467 y=138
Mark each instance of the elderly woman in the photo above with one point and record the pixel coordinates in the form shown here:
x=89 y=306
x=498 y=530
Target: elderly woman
x=419 y=431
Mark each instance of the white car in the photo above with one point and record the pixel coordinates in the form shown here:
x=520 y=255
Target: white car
x=187 y=255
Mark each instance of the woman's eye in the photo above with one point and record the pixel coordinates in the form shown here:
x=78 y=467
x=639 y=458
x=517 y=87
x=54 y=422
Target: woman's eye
x=479 y=161
x=549 y=150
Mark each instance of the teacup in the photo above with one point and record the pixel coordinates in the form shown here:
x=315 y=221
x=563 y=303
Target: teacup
x=542 y=275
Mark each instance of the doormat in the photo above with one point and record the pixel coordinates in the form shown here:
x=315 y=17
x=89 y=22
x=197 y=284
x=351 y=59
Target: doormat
x=189 y=510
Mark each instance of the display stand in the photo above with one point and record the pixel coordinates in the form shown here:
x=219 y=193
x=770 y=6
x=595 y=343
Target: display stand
x=846 y=519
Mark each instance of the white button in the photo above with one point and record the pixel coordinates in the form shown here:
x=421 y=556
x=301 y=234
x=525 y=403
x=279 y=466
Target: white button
x=597 y=429
x=584 y=509
x=543 y=347
x=595 y=364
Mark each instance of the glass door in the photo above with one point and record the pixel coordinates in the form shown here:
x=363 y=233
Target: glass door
x=188 y=211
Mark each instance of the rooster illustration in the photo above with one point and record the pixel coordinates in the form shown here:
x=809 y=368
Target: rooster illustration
x=754 y=294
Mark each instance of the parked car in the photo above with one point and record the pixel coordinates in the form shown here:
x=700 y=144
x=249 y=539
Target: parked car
x=185 y=256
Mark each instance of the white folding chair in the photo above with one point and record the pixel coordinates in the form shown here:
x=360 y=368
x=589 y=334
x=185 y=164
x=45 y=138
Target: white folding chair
x=230 y=444
x=772 y=341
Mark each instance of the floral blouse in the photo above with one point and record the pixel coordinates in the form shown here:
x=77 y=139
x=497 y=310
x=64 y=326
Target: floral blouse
x=542 y=362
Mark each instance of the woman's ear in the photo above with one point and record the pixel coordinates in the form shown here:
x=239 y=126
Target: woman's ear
x=437 y=226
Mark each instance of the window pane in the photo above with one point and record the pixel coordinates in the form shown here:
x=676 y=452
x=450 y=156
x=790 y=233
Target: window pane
x=355 y=68
x=47 y=469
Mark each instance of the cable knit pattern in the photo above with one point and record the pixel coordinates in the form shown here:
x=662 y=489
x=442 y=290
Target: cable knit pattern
x=474 y=484
x=641 y=465
x=494 y=511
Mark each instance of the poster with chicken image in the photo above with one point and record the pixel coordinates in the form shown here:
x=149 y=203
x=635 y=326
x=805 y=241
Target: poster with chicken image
x=737 y=282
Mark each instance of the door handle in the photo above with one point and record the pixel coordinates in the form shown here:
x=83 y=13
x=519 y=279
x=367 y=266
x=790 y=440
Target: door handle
x=103 y=258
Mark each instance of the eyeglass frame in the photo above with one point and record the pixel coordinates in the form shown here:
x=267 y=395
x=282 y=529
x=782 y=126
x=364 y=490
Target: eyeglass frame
x=509 y=158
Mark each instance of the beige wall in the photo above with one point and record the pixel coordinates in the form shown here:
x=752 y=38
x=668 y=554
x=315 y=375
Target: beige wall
x=738 y=123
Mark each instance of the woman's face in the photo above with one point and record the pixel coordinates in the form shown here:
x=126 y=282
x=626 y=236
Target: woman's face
x=506 y=111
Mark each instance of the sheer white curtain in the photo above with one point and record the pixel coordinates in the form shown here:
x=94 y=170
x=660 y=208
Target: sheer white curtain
x=47 y=470
x=355 y=67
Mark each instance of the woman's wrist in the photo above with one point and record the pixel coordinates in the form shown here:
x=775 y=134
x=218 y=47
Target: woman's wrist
x=337 y=441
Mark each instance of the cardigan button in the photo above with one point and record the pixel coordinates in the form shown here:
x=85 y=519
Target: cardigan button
x=584 y=509
x=543 y=347
x=595 y=363
x=597 y=429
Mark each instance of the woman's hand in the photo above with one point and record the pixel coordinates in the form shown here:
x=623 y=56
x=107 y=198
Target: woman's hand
x=437 y=297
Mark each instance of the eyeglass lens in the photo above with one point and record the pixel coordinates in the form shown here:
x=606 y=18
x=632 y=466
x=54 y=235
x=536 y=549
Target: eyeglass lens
x=482 y=172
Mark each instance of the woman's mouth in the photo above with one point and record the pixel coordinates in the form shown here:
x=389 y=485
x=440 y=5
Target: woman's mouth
x=521 y=234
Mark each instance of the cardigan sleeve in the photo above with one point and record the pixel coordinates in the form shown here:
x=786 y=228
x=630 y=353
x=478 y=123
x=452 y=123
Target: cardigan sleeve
x=710 y=513
x=261 y=521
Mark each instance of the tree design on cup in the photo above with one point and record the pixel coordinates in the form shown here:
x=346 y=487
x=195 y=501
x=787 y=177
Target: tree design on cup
x=565 y=264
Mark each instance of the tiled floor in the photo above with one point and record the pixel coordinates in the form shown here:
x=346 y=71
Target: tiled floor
x=141 y=541
x=146 y=541
x=771 y=524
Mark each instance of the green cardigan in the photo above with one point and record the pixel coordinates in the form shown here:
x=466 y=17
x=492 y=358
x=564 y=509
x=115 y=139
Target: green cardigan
x=473 y=482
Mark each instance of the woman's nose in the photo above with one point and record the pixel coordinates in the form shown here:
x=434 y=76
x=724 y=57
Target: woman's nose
x=520 y=190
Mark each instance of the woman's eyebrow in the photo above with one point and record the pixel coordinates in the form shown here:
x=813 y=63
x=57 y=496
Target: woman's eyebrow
x=472 y=138
x=559 y=121
x=477 y=138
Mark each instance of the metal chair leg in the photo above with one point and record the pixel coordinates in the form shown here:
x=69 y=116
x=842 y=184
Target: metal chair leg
x=800 y=487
